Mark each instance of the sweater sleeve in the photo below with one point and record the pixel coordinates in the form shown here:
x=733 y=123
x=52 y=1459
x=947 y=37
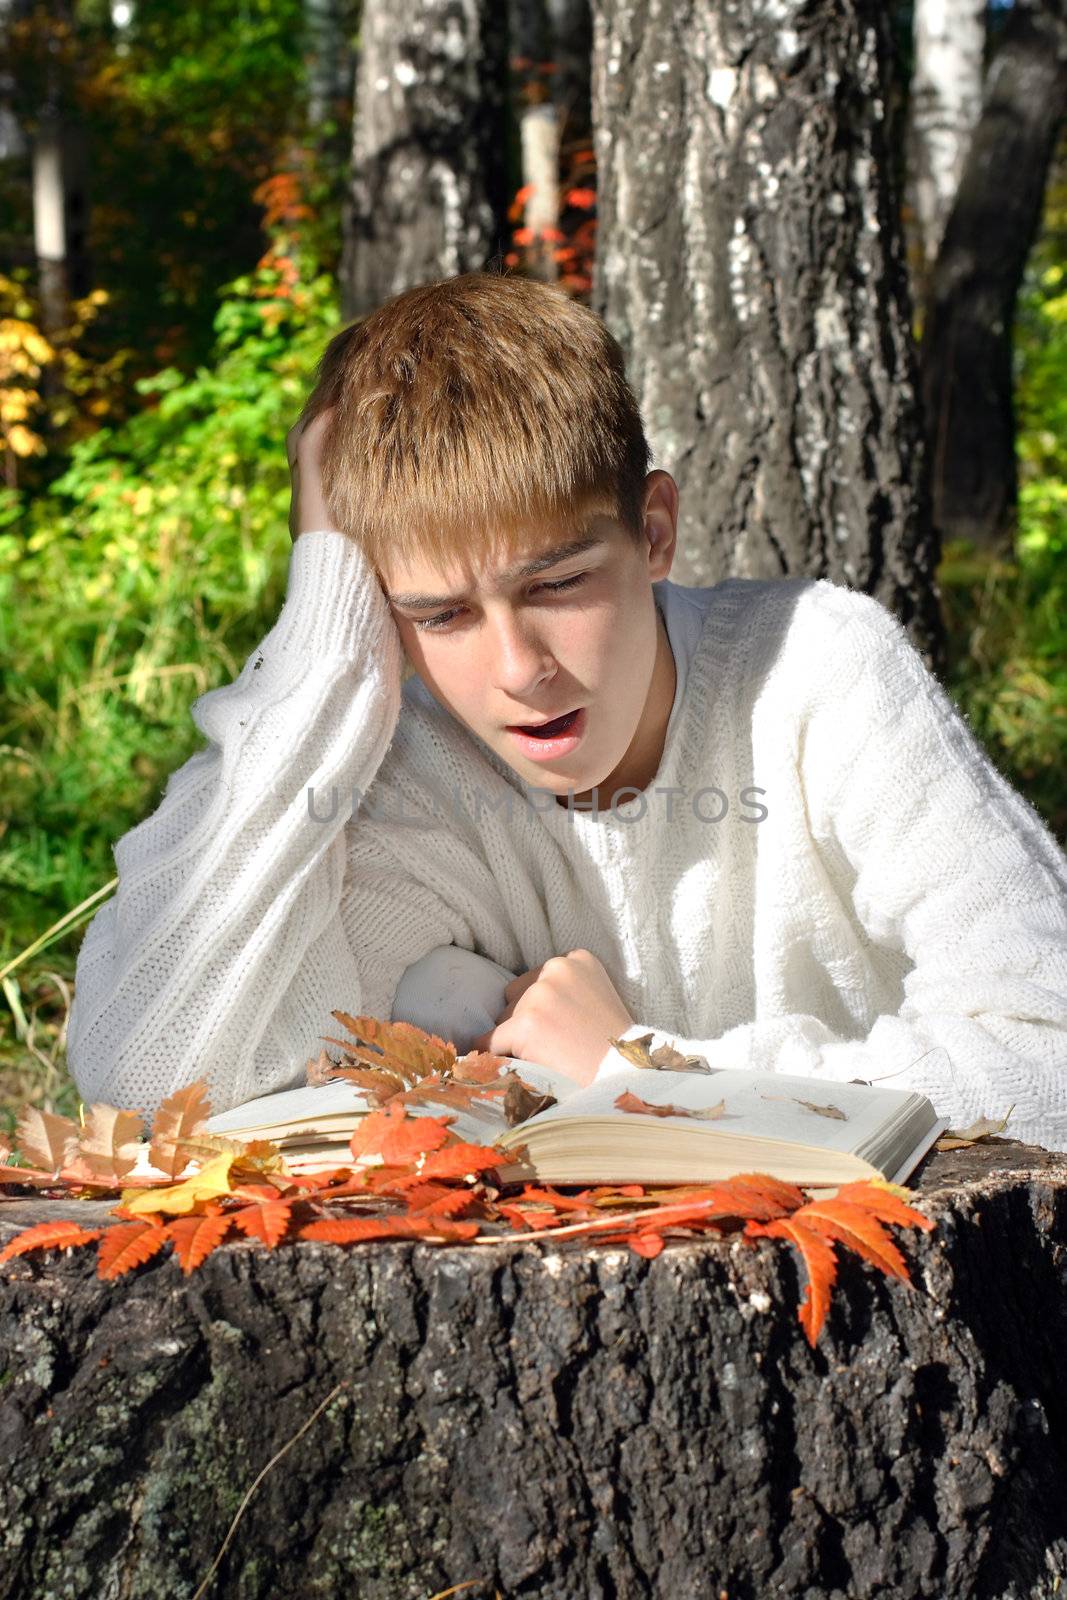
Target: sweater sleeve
x=945 y=861
x=223 y=950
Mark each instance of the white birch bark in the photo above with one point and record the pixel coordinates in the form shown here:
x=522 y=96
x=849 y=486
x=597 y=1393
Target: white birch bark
x=946 y=99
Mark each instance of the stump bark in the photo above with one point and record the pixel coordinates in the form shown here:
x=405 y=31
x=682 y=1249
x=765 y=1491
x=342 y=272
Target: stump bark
x=559 y=1422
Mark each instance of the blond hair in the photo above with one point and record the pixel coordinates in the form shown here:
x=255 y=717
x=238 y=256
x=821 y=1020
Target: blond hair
x=472 y=410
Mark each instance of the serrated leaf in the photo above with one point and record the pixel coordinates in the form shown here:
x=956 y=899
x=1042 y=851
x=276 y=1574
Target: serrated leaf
x=859 y=1228
x=346 y=1230
x=265 y=1220
x=48 y=1236
x=128 y=1245
x=456 y=1160
x=398 y=1047
x=180 y=1115
x=394 y=1136
x=108 y=1144
x=885 y=1201
x=820 y=1264
x=195 y=1237
x=45 y=1140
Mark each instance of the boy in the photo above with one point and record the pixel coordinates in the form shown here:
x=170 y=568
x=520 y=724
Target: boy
x=763 y=832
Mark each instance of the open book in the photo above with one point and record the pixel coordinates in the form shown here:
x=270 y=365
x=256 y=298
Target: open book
x=804 y=1130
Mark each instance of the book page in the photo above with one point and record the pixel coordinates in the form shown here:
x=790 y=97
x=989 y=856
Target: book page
x=760 y=1105
x=340 y=1099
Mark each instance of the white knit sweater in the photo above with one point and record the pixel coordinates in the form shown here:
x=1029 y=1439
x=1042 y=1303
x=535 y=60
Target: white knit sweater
x=898 y=910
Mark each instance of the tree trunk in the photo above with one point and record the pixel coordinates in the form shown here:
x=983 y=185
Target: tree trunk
x=14 y=144
x=966 y=352
x=539 y=131
x=428 y=195
x=329 y=60
x=750 y=262
x=558 y=1422
x=572 y=49
x=944 y=102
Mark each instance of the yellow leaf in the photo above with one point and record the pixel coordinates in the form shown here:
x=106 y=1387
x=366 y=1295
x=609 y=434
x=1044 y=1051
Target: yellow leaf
x=179 y=1199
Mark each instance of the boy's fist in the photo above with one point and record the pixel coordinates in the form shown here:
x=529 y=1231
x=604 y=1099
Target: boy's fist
x=303 y=447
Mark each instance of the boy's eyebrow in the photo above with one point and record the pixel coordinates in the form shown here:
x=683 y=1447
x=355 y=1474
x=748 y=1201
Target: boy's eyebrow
x=524 y=569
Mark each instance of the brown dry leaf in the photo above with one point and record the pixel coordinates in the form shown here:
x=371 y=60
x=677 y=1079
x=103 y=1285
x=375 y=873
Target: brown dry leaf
x=633 y=1102
x=984 y=1128
x=108 y=1145
x=180 y=1115
x=45 y=1140
x=479 y=1066
x=809 y=1105
x=379 y=1087
x=398 y=1047
x=663 y=1059
x=522 y=1100
x=320 y=1071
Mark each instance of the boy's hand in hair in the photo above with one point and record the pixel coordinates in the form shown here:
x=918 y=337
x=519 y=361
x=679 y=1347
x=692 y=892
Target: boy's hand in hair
x=562 y=1014
x=303 y=447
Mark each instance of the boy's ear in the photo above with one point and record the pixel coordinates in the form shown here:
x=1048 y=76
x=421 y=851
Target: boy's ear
x=661 y=522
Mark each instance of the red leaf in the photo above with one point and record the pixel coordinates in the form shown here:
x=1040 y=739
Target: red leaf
x=196 y=1236
x=397 y=1137
x=48 y=1236
x=456 y=1160
x=129 y=1245
x=856 y=1227
x=645 y=1244
x=820 y=1262
x=343 y=1230
x=265 y=1220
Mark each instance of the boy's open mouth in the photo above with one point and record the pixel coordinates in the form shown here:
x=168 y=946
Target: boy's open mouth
x=547 y=730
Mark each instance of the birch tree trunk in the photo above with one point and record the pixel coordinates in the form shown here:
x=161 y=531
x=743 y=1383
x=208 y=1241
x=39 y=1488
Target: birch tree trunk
x=944 y=105
x=428 y=195
x=330 y=63
x=572 y=48
x=967 y=377
x=750 y=262
x=532 y=52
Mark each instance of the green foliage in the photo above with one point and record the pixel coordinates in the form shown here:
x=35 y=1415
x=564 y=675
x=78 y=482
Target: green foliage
x=1008 y=619
x=143 y=577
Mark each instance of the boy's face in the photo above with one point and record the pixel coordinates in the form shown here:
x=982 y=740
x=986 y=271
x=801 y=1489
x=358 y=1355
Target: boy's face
x=511 y=650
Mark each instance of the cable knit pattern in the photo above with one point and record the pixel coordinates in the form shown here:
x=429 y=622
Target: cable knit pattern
x=826 y=875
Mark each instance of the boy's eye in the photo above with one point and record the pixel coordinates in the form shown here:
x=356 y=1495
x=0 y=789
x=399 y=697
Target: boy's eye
x=444 y=617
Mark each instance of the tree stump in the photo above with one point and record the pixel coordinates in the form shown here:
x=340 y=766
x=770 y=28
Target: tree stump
x=558 y=1422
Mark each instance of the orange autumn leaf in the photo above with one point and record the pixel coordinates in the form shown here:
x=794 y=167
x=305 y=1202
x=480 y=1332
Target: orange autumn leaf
x=395 y=1137
x=437 y=1200
x=265 y=1220
x=885 y=1204
x=858 y=1228
x=128 y=1245
x=645 y=1244
x=180 y=1116
x=48 y=1236
x=456 y=1160
x=820 y=1264
x=196 y=1236
x=344 y=1230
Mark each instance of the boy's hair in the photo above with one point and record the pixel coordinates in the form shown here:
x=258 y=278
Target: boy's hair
x=470 y=410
